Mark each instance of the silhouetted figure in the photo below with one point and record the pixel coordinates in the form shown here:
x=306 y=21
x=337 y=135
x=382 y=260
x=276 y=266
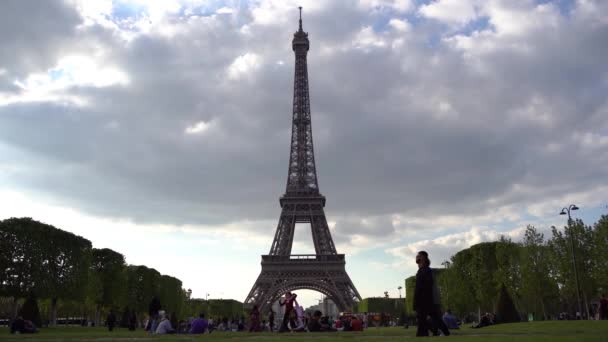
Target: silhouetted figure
x=271 y=320
x=426 y=298
x=603 y=309
x=254 y=319
x=132 y=320
x=111 y=320
x=174 y=321
x=153 y=310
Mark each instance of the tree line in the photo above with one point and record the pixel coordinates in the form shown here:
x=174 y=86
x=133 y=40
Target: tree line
x=537 y=273
x=40 y=261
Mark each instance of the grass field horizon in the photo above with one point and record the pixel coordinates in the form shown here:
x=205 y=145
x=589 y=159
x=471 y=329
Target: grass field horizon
x=528 y=331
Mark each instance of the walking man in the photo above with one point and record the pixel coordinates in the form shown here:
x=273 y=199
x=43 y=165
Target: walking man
x=426 y=301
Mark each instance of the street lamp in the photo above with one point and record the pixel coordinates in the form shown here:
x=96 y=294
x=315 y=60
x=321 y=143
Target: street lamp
x=207 y=302
x=399 y=288
x=447 y=265
x=566 y=210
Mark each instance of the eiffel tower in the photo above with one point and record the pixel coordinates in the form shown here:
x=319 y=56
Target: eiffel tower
x=302 y=202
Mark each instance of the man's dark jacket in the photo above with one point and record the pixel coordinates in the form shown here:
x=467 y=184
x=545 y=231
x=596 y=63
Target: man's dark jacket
x=423 y=294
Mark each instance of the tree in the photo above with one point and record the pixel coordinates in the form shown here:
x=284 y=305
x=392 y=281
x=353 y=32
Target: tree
x=66 y=260
x=481 y=269
x=143 y=284
x=538 y=287
x=171 y=294
x=460 y=278
x=21 y=258
x=580 y=238
x=508 y=271
x=410 y=286
x=108 y=283
x=600 y=253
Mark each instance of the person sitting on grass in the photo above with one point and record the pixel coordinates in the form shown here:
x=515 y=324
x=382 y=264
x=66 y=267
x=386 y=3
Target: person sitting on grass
x=338 y=323
x=164 y=327
x=199 y=325
x=450 y=320
x=23 y=326
x=315 y=322
x=485 y=321
x=300 y=325
x=326 y=324
x=346 y=323
x=356 y=324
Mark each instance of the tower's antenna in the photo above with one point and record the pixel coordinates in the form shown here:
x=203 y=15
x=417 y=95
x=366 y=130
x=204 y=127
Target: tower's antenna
x=300 y=17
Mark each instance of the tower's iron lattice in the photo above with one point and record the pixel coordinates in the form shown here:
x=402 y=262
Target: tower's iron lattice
x=302 y=202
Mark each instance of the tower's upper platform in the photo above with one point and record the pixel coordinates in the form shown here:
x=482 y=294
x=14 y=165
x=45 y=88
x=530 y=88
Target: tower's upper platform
x=300 y=43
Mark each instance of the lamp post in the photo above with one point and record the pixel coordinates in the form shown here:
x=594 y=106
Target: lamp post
x=446 y=264
x=399 y=288
x=567 y=210
x=207 y=302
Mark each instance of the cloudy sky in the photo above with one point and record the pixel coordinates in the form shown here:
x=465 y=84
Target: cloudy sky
x=161 y=129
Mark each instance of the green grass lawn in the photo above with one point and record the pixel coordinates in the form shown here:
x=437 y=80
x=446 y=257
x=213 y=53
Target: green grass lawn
x=538 y=331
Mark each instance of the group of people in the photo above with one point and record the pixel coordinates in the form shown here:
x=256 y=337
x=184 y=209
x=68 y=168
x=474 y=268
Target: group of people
x=295 y=319
x=161 y=324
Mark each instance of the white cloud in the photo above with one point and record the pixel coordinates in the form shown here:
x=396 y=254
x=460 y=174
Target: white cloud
x=442 y=248
x=400 y=6
x=225 y=10
x=399 y=25
x=367 y=39
x=70 y=71
x=244 y=65
x=274 y=12
x=197 y=128
x=452 y=12
x=517 y=18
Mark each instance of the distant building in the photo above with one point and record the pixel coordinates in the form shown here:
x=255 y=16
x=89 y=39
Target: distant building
x=326 y=306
